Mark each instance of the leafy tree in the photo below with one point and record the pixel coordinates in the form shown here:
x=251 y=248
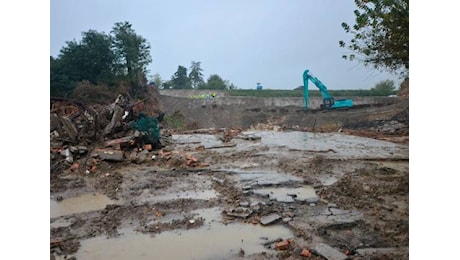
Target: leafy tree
x=132 y=53
x=383 y=88
x=98 y=57
x=380 y=34
x=180 y=79
x=60 y=84
x=216 y=82
x=91 y=59
x=167 y=84
x=196 y=75
x=113 y=60
x=157 y=80
x=71 y=60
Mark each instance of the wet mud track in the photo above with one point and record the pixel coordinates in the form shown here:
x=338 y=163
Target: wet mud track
x=262 y=195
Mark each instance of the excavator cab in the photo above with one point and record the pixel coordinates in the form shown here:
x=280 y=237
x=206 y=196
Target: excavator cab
x=327 y=103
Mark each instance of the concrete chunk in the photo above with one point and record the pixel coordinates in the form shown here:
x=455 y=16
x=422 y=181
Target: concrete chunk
x=269 y=219
x=109 y=155
x=69 y=127
x=239 y=212
x=329 y=252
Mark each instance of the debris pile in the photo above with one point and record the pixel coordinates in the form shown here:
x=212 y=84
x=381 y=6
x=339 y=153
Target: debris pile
x=124 y=129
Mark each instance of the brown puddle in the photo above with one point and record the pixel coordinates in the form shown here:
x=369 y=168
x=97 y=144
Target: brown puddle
x=214 y=240
x=82 y=203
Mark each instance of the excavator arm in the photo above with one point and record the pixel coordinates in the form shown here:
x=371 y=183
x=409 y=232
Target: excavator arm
x=328 y=101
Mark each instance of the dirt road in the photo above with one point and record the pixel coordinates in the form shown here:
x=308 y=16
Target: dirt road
x=278 y=187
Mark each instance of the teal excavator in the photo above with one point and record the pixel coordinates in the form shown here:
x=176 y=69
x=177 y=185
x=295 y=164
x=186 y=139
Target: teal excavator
x=328 y=101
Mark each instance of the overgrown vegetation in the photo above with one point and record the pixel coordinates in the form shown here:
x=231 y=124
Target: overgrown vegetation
x=380 y=35
x=176 y=120
x=102 y=64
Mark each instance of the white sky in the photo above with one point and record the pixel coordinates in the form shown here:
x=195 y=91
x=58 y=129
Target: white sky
x=244 y=42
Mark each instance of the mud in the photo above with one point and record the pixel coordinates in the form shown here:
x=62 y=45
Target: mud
x=328 y=192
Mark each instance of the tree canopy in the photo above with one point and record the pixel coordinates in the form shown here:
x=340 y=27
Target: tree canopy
x=180 y=80
x=216 y=82
x=132 y=52
x=383 y=88
x=194 y=79
x=196 y=75
x=100 y=58
x=380 y=34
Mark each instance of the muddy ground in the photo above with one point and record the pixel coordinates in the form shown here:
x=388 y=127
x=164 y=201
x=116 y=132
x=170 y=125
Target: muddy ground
x=281 y=185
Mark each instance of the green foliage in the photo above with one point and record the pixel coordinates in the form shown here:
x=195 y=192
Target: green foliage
x=131 y=50
x=384 y=88
x=91 y=59
x=194 y=80
x=102 y=59
x=196 y=75
x=97 y=57
x=215 y=82
x=132 y=54
x=60 y=84
x=380 y=34
x=167 y=84
x=176 y=120
x=180 y=80
x=157 y=80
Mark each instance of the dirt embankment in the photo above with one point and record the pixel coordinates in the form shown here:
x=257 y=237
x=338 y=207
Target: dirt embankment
x=386 y=119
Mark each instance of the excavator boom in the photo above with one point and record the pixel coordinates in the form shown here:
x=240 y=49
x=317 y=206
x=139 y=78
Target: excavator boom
x=328 y=101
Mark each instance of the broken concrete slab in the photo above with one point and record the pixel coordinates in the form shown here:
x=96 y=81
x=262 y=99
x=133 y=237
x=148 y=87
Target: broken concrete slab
x=68 y=155
x=239 y=212
x=109 y=155
x=304 y=193
x=117 y=115
x=55 y=123
x=261 y=179
x=284 y=199
x=142 y=156
x=80 y=149
x=328 y=252
x=139 y=157
x=310 y=200
x=269 y=219
x=301 y=225
x=337 y=217
x=69 y=127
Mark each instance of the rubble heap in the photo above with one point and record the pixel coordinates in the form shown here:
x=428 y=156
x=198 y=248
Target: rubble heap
x=104 y=132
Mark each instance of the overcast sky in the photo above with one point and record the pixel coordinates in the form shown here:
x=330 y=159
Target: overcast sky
x=244 y=42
